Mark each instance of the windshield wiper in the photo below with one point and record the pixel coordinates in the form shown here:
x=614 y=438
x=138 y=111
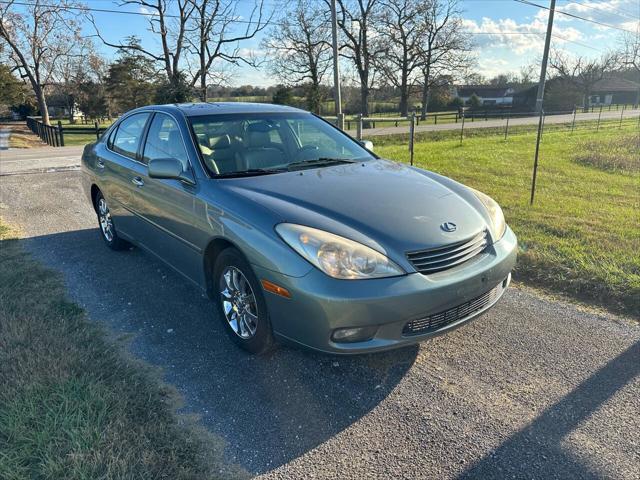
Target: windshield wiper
x=250 y=172
x=319 y=162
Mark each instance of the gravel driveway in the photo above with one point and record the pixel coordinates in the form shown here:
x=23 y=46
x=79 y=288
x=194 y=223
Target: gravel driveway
x=536 y=388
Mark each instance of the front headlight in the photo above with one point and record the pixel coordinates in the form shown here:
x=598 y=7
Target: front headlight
x=495 y=212
x=337 y=256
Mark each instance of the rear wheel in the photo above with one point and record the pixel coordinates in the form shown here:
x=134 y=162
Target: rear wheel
x=107 y=228
x=241 y=304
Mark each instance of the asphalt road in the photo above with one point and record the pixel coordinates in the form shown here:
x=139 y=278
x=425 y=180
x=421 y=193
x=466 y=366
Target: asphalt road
x=39 y=160
x=535 y=388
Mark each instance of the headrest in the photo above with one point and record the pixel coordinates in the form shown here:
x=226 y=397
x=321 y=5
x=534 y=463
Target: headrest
x=221 y=141
x=259 y=140
x=262 y=127
x=176 y=149
x=174 y=136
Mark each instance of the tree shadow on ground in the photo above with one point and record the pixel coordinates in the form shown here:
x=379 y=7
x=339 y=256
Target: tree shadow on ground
x=536 y=451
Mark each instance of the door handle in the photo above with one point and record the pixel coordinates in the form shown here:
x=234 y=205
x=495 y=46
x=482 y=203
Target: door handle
x=100 y=163
x=137 y=181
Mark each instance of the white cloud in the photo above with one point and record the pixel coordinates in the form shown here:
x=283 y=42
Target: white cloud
x=146 y=11
x=620 y=13
x=520 y=38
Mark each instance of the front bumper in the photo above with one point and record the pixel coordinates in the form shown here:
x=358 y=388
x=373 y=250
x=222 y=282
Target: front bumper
x=319 y=304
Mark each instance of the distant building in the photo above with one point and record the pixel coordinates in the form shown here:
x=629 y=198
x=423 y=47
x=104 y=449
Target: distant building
x=563 y=94
x=488 y=94
x=61 y=105
x=610 y=91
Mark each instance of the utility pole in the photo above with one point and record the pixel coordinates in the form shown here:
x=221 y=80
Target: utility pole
x=540 y=96
x=336 y=68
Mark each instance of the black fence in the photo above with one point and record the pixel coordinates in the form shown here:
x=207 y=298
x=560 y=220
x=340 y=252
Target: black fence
x=54 y=134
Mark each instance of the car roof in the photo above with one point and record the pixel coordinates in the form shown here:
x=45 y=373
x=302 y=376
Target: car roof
x=217 y=108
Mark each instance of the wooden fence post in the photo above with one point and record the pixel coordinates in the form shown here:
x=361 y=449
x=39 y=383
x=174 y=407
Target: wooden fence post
x=621 y=114
x=97 y=129
x=599 y=115
x=506 y=129
x=359 y=127
x=462 y=129
x=61 y=133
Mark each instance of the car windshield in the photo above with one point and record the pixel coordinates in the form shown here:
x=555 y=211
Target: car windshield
x=263 y=143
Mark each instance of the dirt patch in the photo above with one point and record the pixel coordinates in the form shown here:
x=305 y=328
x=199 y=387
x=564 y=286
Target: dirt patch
x=20 y=136
x=619 y=154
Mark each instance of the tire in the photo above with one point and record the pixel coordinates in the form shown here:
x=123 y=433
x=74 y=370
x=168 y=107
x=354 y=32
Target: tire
x=107 y=228
x=240 y=303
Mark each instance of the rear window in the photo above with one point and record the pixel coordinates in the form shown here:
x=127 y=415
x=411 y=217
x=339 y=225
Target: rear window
x=127 y=137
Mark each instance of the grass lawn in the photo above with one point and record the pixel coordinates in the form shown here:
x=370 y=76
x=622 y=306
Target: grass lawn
x=71 y=138
x=582 y=235
x=73 y=404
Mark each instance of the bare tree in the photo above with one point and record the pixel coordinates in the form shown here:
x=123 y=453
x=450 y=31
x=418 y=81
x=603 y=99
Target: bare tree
x=170 y=27
x=213 y=36
x=39 y=37
x=401 y=36
x=582 y=72
x=299 y=48
x=445 y=48
x=630 y=51
x=357 y=20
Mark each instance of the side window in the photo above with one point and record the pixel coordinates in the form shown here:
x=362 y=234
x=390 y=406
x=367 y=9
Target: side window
x=127 y=137
x=164 y=140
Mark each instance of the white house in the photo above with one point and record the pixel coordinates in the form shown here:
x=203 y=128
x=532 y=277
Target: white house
x=488 y=94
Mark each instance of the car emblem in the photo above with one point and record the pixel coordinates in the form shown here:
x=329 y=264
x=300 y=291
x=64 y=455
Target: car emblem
x=448 y=227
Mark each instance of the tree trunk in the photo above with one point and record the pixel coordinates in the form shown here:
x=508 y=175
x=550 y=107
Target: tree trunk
x=364 y=100
x=425 y=101
x=425 y=93
x=42 y=103
x=404 y=99
x=313 y=98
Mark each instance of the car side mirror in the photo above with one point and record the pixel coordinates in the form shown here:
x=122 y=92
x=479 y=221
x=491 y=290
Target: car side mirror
x=368 y=144
x=169 y=168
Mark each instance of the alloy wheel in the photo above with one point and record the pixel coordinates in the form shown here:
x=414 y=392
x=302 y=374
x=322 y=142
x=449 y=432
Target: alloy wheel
x=104 y=217
x=238 y=303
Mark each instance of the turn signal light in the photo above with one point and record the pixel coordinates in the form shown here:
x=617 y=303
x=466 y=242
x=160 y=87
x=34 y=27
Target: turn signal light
x=273 y=288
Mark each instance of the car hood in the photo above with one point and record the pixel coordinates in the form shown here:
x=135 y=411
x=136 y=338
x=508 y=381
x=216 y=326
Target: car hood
x=386 y=205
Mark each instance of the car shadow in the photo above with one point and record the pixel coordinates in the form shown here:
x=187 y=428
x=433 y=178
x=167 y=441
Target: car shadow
x=271 y=409
x=536 y=451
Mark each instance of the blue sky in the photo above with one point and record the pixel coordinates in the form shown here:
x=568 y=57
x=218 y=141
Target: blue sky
x=508 y=34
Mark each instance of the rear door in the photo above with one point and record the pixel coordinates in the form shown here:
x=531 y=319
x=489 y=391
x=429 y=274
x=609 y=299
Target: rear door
x=121 y=167
x=167 y=206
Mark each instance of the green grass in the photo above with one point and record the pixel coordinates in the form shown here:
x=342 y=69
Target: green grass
x=73 y=404
x=71 y=138
x=581 y=237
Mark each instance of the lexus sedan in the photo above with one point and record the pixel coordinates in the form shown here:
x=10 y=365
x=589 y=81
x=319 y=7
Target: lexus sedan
x=296 y=231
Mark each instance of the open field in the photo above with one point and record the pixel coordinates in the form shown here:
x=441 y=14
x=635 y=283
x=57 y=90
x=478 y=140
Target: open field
x=72 y=403
x=581 y=236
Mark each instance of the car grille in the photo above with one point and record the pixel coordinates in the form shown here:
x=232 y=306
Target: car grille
x=443 y=258
x=442 y=319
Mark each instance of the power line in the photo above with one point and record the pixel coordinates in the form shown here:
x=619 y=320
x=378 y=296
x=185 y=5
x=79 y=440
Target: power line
x=624 y=13
x=526 y=2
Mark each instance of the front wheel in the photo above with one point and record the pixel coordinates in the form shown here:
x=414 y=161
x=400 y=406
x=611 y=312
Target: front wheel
x=241 y=304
